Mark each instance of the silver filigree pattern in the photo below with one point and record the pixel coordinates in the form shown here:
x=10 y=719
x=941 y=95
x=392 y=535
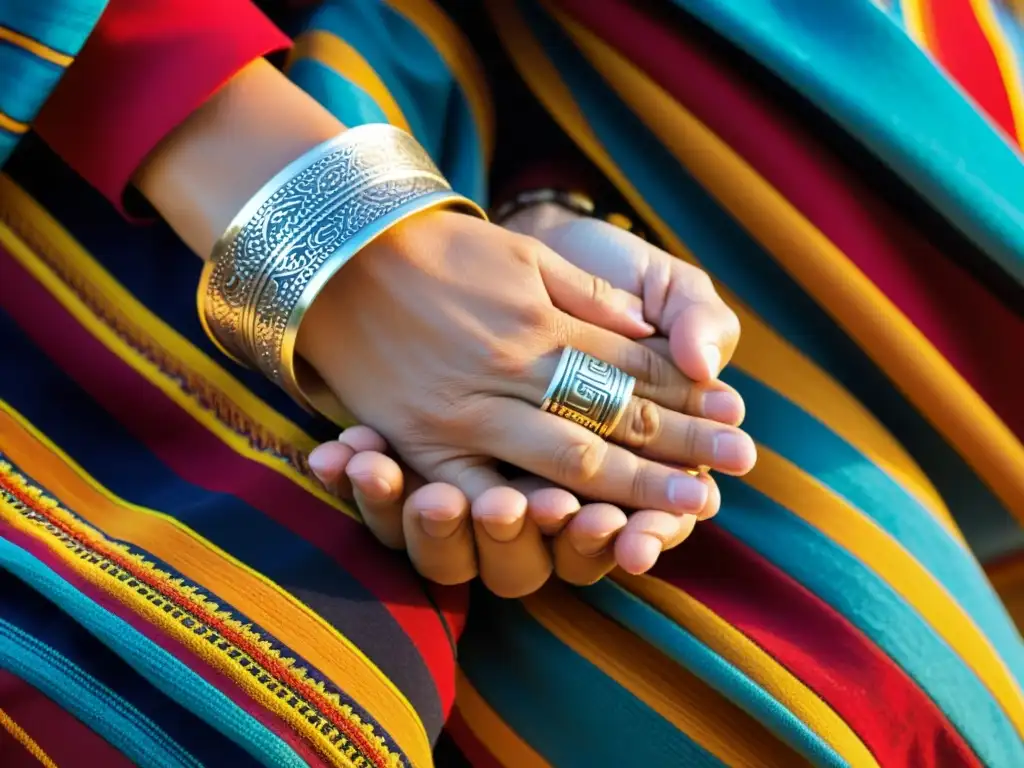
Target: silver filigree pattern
x=309 y=219
x=588 y=391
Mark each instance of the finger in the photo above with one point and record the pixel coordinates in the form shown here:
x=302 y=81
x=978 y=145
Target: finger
x=713 y=399
x=580 y=461
x=664 y=435
x=647 y=534
x=703 y=336
x=327 y=462
x=378 y=486
x=714 y=502
x=473 y=475
x=583 y=551
x=511 y=555
x=678 y=298
x=551 y=509
x=590 y=298
x=438 y=534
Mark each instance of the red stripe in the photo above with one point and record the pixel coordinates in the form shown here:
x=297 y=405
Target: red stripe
x=957 y=40
x=820 y=647
x=272 y=664
x=476 y=754
x=198 y=457
x=955 y=312
x=65 y=740
x=208 y=673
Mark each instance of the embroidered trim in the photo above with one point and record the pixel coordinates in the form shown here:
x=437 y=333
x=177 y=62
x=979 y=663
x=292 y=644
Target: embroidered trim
x=185 y=613
x=205 y=394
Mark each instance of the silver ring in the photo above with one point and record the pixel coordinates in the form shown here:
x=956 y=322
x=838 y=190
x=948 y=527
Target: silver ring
x=588 y=391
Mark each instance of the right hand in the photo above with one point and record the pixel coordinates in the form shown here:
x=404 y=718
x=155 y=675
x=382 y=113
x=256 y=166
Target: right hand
x=444 y=334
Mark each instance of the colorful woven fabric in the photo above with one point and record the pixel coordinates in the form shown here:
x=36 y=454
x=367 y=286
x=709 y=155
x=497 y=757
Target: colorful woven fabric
x=175 y=589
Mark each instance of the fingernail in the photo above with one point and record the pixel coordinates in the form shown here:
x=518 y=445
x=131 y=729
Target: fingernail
x=372 y=487
x=713 y=358
x=735 y=449
x=592 y=546
x=318 y=462
x=439 y=523
x=503 y=529
x=687 y=493
x=720 y=406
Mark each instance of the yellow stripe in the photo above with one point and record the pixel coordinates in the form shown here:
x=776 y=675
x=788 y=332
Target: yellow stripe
x=1006 y=60
x=37 y=227
x=702 y=713
x=19 y=735
x=917 y=23
x=725 y=640
x=334 y=53
x=205 y=564
x=458 y=55
x=793 y=489
x=11 y=125
x=763 y=354
x=34 y=47
x=500 y=740
x=91 y=569
x=821 y=269
x=34 y=237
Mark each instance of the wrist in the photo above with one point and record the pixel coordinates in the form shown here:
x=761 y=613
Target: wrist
x=205 y=171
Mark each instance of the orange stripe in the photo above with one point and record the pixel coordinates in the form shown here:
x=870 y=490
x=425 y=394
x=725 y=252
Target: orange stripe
x=824 y=272
x=688 y=703
x=11 y=125
x=19 y=735
x=336 y=54
x=500 y=740
x=1006 y=60
x=201 y=562
x=34 y=47
x=764 y=354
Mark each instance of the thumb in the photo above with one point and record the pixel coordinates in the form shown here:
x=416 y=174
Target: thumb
x=592 y=299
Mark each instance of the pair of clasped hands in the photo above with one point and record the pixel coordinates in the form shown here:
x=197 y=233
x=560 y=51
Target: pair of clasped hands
x=587 y=504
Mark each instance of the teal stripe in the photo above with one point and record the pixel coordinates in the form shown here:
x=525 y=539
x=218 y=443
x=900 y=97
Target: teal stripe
x=161 y=669
x=344 y=99
x=877 y=610
x=565 y=708
x=860 y=68
x=730 y=254
x=113 y=718
x=689 y=652
x=419 y=80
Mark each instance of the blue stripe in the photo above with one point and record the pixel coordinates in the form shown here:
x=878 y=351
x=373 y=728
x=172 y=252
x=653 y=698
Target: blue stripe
x=182 y=731
x=872 y=79
x=161 y=669
x=686 y=650
x=563 y=706
x=63 y=25
x=132 y=472
x=877 y=610
x=344 y=99
x=730 y=254
x=419 y=80
x=25 y=82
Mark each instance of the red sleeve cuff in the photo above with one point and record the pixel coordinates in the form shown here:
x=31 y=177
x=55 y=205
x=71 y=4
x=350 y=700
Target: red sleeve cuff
x=147 y=67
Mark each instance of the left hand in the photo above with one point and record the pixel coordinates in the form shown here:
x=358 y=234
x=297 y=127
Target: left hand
x=500 y=535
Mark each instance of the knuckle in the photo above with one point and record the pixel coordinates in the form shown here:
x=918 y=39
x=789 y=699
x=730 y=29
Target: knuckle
x=641 y=483
x=643 y=424
x=509 y=362
x=600 y=290
x=579 y=463
x=526 y=250
x=651 y=366
x=702 y=287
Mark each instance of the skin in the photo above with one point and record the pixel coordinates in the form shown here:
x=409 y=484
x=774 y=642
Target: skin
x=516 y=537
x=444 y=332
